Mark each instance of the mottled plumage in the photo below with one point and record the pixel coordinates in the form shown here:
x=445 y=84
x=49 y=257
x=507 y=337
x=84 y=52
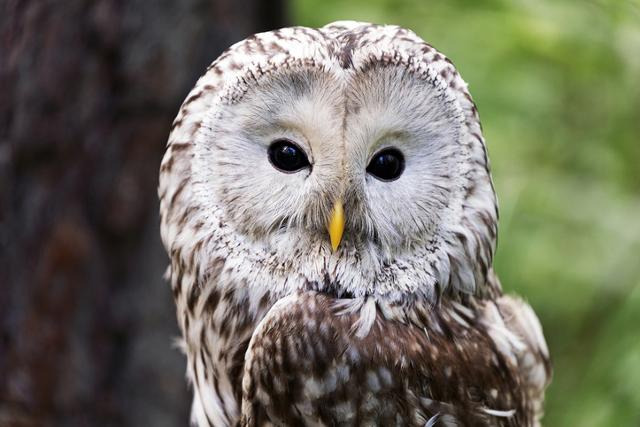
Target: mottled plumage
x=405 y=323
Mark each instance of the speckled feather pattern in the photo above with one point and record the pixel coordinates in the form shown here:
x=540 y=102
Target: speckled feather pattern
x=406 y=324
x=306 y=366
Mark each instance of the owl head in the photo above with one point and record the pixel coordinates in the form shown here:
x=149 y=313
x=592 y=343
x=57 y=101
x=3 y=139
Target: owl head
x=347 y=159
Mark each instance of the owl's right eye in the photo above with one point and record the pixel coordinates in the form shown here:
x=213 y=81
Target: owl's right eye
x=286 y=156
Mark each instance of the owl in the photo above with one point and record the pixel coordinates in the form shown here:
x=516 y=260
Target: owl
x=328 y=210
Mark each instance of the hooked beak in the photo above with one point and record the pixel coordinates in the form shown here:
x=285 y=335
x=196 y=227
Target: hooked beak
x=336 y=225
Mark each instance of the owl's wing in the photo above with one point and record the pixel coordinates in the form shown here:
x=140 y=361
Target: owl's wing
x=314 y=360
x=531 y=355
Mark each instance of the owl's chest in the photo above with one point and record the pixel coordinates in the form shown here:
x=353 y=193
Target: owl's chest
x=314 y=359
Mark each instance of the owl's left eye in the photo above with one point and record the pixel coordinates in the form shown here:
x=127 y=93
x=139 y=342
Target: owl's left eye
x=387 y=165
x=286 y=156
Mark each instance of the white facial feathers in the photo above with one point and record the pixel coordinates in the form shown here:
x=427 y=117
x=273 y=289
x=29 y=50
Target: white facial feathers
x=341 y=94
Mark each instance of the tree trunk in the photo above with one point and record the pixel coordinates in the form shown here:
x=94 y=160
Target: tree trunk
x=88 y=90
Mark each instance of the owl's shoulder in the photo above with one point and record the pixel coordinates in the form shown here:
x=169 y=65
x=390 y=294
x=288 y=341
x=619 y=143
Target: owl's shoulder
x=316 y=358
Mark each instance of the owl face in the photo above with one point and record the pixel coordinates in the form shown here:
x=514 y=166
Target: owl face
x=350 y=171
x=383 y=143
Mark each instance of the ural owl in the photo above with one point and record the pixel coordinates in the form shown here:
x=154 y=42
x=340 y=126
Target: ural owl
x=327 y=206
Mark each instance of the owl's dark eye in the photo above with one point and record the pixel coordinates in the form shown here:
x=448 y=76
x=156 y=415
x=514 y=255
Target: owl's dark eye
x=387 y=165
x=287 y=156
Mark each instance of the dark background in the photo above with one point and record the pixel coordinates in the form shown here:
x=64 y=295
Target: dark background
x=88 y=90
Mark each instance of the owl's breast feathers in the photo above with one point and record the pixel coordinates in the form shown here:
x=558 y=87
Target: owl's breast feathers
x=317 y=360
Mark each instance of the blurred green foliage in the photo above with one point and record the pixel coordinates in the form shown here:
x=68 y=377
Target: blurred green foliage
x=557 y=84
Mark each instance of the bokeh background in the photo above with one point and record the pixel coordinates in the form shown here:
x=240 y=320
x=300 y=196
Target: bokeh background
x=557 y=85
x=87 y=93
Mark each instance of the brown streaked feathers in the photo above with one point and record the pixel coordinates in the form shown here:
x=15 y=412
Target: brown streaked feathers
x=405 y=323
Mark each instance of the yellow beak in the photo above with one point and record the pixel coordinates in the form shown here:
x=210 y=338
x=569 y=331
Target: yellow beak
x=336 y=225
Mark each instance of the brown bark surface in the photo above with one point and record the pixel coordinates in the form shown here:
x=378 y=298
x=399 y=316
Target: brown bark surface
x=88 y=90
